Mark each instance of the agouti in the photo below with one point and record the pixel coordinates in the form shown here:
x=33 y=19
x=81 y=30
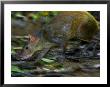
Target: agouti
x=63 y=27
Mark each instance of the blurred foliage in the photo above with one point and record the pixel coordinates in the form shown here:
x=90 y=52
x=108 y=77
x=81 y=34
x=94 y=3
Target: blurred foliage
x=34 y=15
x=15 y=69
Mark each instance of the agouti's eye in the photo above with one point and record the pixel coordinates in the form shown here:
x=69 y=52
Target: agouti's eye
x=26 y=47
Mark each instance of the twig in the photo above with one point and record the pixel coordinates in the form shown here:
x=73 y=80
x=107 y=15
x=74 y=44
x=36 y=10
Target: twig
x=18 y=62
x=17 y=37
x=16 y=48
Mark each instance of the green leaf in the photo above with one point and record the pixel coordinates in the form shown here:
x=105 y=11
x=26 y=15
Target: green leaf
x=47 y=60
x=15 y=69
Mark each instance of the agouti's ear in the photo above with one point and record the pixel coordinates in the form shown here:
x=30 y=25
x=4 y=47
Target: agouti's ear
x=32 y=38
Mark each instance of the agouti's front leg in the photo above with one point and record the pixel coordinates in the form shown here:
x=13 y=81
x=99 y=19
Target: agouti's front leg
x=61 y=57
x=42 y=54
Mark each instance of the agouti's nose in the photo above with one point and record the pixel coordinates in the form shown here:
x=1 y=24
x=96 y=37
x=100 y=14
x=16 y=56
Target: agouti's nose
x=24 y=57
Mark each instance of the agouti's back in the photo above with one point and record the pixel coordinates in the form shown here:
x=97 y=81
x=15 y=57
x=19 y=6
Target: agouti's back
x=68 y=25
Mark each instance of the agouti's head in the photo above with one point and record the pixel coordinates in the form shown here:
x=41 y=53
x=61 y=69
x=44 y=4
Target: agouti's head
x=29 y=47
